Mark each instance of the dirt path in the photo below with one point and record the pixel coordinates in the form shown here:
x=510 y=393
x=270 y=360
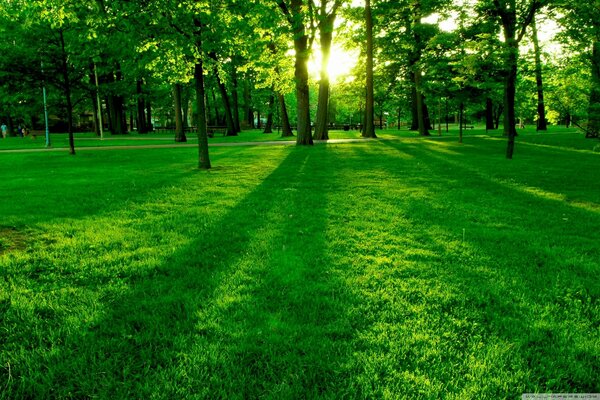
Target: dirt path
x=174 y=145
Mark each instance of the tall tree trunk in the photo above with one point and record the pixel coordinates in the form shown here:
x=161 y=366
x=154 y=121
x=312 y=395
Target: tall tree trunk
x=149 y=126
x=141 y=109
x=426 y=118
x=461 y=121
x=216 y=107
x=185 y=107
x=179 y=130
x=94 y=99
x=304 y=134
x=369 y=129
x=95 y=121
x=422 y=123
x=510 y=83
x=269 y=124
x=226 y=104
x=67 y=87
x=541 y=110
x=414 y=108
x=248 y=112
x=326 y=35
x=11 y=126
x=235 y=99
x=498 y=113
x=203 y=159
x=295 y=15
x=594 y=106
x=489 y=114
x=286 y=129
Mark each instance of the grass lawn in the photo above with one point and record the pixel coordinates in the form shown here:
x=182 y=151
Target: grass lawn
x=412 y=268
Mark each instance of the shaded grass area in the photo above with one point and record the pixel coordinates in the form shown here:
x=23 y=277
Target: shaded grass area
x=419 y=268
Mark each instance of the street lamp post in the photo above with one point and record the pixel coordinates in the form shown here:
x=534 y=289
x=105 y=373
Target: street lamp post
x=48 y=144
x=99 y=104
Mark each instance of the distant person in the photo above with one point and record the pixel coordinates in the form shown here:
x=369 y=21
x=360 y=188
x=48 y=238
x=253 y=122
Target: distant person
x=20 y=130
x=4 y=130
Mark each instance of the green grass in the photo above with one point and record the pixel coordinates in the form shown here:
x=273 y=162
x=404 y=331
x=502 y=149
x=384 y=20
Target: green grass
x=412 y=268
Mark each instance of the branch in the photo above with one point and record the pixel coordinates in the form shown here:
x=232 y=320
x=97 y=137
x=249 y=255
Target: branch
x=533 y=8
x=286 y=11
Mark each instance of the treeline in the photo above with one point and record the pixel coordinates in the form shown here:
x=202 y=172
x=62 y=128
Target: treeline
x=113 y=64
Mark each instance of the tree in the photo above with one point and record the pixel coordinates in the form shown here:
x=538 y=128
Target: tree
x=514 y=17
x=580 y=20
x=369 y=128
x=541 y=109
x=296 y=14
x=326 y=24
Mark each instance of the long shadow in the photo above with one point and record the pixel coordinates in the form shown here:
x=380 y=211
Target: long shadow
x=250 y=308
x=521 y=287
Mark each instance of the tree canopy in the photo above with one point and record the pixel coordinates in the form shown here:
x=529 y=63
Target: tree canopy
x=412 y=58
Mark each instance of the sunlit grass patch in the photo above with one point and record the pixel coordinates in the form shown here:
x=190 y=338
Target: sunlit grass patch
x=383 y=269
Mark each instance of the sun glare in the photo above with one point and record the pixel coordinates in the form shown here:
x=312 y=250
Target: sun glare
x=341 y=63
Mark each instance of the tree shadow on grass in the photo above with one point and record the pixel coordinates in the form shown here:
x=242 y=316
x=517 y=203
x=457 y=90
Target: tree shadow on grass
x=251 y=308
x=40 y=188
x=512 y=310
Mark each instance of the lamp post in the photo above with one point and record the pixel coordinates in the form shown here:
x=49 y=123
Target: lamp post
x=48 y=144
x=99 y=104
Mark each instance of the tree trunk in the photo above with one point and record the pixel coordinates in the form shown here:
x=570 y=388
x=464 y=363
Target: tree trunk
x=369 y=128
x=439 y=118
x=203 y=159
x=498 y=112
x=426 y=118
x=296 y=19
x=594 y=106
x=414 y=110
x=269 y=125
x=248 y=112
x=461 y=122
x=95 y=121
x=489 y=114
x=326 y=37
x=67 y=87
x=179 y=131
x=11 y=126
x=286 y=129
x=149 y=126
x=420 y=105
x=226 y=105
x=117 y=115
x=94 y=99
x=541 y=110
x=186 y=107
x=235 y=99
x=216 y=107
x=510 y=89
x=141 y=109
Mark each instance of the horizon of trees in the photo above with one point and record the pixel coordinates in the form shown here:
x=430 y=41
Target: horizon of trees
x=245 y=64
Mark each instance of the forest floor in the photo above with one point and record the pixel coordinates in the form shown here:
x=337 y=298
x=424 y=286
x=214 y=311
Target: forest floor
x=412 y=268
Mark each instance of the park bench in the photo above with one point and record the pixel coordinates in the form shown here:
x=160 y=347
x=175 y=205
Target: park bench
x=213 y=130
x=35 y=133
